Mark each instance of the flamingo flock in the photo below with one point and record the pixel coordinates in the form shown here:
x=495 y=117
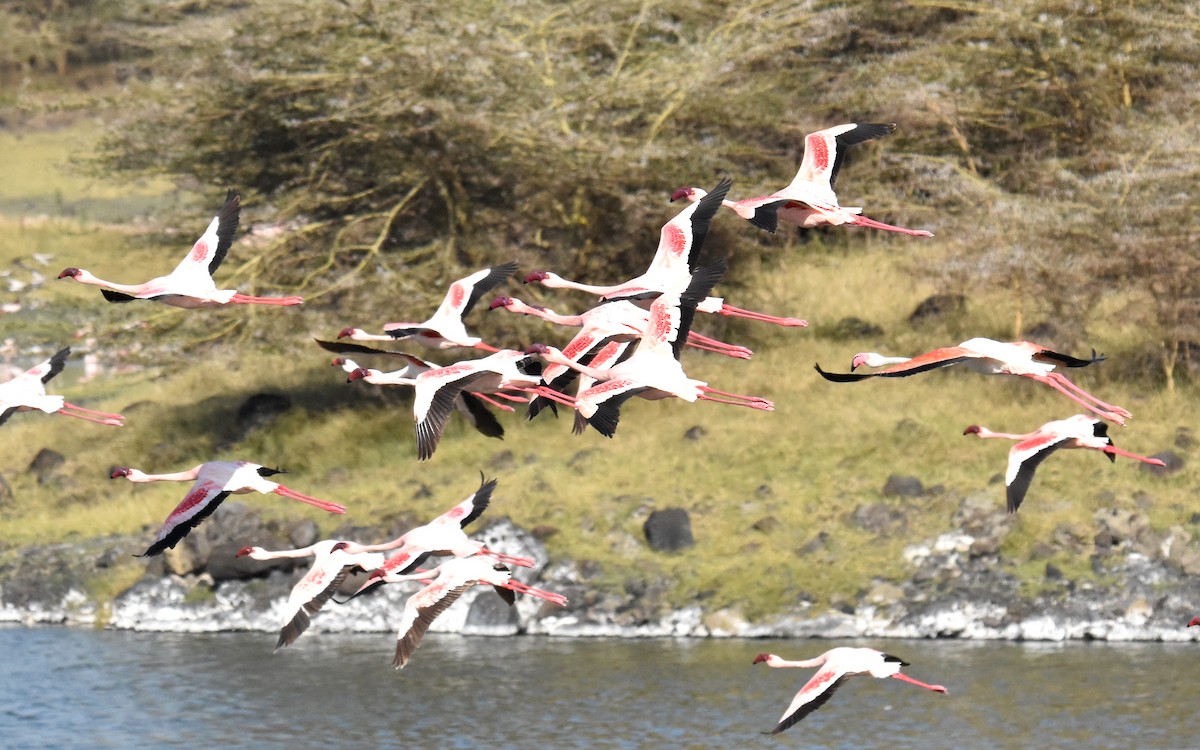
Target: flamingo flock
x=632 y=343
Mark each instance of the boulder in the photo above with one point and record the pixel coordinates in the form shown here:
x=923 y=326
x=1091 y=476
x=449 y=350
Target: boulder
x=669 y=530
x=938 y=307
x=45 y=464
x=850 y=328
x=902 y=486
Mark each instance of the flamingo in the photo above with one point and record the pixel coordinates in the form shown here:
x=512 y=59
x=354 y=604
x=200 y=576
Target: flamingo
x=653 y=370
x=27 y=392
x=809 y=201
x=437 y=389
x=442 y=536
x=1079 y=431
x=445 y=330
x=836 y=665
x=1193 y=621
x=675 y=258
x=470 y=405
x=990 y=357
x=333 y=561
x=213 y=482
x=447 y=582
x=616 y=318
x=191 y=284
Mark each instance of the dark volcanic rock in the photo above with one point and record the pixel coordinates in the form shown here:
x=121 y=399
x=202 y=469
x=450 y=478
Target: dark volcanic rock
x=225 y=565
x=937 y=307
x=849 y=328
x=45 y=464
x=490 y=611
x=669 y=530
x=878 y=517
x=903 y=486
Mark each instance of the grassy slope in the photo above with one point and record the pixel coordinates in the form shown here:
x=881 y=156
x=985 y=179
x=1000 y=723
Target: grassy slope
x=827 y=448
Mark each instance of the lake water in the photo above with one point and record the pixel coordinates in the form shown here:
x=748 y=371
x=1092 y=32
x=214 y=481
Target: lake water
x=99 y=689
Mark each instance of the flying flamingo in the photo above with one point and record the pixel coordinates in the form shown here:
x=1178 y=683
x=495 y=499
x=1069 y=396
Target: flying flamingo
x=437 y=390
x=615 y=318
x=333 y=562
x=809 y=201
x=653 y=370
x=213 y=482
x=447 y=582
x=990 y=357
x=442 y=536
x=445 y=330
x=191 y=284
x=27 y=392
x=1079 y=431
x=674 y=260
x=836 y=665
x=470 y=405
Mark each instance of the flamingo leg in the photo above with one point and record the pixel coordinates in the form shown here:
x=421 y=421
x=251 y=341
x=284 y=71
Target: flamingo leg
x=863 y=221
x=1114 y=450
x=761 y=404
x=524 y=562
x=1065 y=382
x=112 y=422
x=550 y=596
x=702 y=339
x=1118 y=417
x=322 y=504
x=245 y=299
x=492 y=401
x=511 y=397
x=918 y=683
x=738 y=312
x=75 y=407
x=486 y=347
x=550 y=393
x=717 y=350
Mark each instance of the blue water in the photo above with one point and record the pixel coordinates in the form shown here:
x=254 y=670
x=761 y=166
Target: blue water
x=100 y=689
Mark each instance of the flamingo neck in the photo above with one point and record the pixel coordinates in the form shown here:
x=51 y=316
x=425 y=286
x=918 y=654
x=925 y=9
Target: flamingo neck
x=136 y=475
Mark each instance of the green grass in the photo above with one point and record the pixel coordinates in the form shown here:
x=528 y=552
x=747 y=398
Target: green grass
x=826 y=449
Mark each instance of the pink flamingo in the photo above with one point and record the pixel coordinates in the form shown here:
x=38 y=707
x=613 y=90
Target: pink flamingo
x=836 y=665
x=616 y=318
x=447 y=582
x=333 y=561
x=470 y=405
x=809 y=201
x=437 y=389
x=1193 y=621
x=442 y=536
x=213 y=482
x=990 y=357
x=191 y=284
x=653 y=371
x=445 y=329
x=27 y=392
x=678 y=251
x=1079 y=431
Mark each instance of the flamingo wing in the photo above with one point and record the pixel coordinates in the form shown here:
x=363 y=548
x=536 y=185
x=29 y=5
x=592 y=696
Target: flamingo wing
x=208 y=252
x=763 y=212
x=200 y=502
x=421 y=609
x=1023 y=460
x=7 y=413
x=825 y=152
x=944 y=357
x=815 y=693
x=337 y=347
x=461 y=300
x=437 y=411
x=1048 y=356
x=682 y=237
x=612 y=395
x=310 y=594
x=51 y=367
x=480 y=417
x=468 y=510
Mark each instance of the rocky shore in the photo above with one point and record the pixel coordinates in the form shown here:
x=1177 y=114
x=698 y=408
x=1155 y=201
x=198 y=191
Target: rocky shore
x=1144 y=588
